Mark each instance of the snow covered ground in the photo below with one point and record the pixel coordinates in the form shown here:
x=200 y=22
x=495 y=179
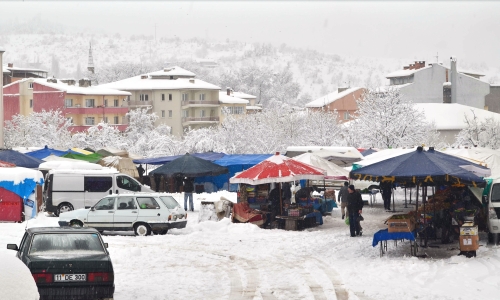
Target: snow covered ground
x=221 y=260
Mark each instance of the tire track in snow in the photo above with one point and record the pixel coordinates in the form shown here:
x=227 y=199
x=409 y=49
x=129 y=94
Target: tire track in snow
x=252 y=278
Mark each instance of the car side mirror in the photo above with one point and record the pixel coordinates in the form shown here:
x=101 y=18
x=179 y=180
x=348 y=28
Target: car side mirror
x=106 y=245
x=12 y=247
x=92 y=208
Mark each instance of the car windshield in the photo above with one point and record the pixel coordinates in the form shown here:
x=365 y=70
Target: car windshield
x=169 y=201
x=495 y=193
x=66 y=243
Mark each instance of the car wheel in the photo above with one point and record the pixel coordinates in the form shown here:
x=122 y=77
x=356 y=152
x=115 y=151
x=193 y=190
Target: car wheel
x=142 y=229
x=75 y=223
x=64 y=207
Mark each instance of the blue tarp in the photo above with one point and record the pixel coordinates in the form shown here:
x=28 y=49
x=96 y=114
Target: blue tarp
x=46 y=151
x=368 y=152
x=423 y=167
x=235 y=163
x=211 y=156
x=19 y=159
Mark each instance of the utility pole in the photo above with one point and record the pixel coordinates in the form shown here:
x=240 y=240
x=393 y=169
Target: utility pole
x=1 y=100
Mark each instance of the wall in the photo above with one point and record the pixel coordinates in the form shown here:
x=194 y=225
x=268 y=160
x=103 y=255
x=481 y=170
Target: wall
x=11 y=101
x=427 y=86
x=344 y=104
x=471 y=91
x=492 y=100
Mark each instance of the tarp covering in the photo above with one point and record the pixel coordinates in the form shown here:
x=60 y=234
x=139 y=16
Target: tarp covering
x=486 y=157
x=368 y=152
x=59 y=158
x=235 y=163
x=19 y=159
x=122 y=164
x=93 y=157
x=278 y=168
x=333 y=172
x=190 y=166
x=422 y=167
x=210 y=156
x=81 y=151
x=46 y=151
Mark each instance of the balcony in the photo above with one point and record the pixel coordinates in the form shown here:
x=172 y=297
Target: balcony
x=82 y=128
x=96 y=110
x=199 y=120
x=136 y=103
x=199 y=103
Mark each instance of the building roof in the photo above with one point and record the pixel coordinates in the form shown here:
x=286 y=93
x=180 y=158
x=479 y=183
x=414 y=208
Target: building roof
x=405 y=73
x=325 y=100
x=385 y=88
x=75 y=89
x=254 y=107
x=434 y=112
x=243 y=95
x=136 y=83
x=173 y=71
x=224 y=98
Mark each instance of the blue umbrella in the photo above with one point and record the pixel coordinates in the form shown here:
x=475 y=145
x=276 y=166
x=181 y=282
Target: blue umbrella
x=421 y=167
x=19 y=159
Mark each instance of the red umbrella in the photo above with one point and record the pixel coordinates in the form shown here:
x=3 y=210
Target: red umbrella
x=278 y=168
x=4 y=164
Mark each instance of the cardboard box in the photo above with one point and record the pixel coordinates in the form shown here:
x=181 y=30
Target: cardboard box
x=395 y=224
x=469 y=242
x=468 y=230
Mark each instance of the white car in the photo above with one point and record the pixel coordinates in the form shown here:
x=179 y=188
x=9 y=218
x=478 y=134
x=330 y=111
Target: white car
x=143 y=213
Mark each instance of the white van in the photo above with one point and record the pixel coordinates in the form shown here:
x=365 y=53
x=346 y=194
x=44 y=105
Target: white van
x=494 y=211
x=66 y=190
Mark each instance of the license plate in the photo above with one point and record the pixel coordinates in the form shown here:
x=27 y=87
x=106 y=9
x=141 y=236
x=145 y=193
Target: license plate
x=70 y=277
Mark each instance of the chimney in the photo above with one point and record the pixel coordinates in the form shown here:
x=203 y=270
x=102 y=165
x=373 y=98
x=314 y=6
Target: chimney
x=144 y=76
x=453 y=79
x=406 y=67
x=228 y=89
x=10 y=65
x=419 y=65
x=52 y=80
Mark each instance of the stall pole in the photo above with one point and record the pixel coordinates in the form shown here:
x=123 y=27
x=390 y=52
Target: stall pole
x=281 y=200
x=410 y=195
x=416 y=209
x=424 y=196
x=393 y=202
x=406 y=205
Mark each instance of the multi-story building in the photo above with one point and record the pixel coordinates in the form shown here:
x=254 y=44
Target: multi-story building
x=84 y=104
x=179 y=99
x=343 y=101
x=432 y=84
x=252 y=106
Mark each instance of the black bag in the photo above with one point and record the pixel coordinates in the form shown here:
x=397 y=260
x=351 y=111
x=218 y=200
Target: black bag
x=361 y=218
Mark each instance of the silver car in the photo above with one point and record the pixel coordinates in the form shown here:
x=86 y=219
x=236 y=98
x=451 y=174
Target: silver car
x=144 y=213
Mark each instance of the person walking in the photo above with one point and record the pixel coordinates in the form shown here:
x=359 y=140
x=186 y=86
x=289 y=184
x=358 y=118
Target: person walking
x=354 y=208
x=188 y=193
x=342 y=198
x=386 y=195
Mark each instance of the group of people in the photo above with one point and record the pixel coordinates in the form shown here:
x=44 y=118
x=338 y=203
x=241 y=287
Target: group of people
x=351 y=200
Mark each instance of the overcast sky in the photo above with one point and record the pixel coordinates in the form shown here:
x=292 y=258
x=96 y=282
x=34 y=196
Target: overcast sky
x=398 y=29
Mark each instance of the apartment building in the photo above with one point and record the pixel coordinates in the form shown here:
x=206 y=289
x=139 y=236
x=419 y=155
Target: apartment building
x=83 y=104
x=232 y=105
x=179 y=99
x=12 y=74
x=343 y=101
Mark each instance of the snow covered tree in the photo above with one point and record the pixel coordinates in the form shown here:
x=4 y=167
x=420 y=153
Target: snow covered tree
x=483 y=134
x=387 y=120
x=49 y=128
x=100 y=136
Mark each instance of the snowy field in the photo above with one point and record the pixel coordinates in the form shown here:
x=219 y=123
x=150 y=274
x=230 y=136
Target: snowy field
x=221 y=260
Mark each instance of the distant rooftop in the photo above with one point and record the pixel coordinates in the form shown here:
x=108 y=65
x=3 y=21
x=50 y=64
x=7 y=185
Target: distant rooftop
x=172 y=71
x=325 y=100
x=75 y=89
x=224 y=98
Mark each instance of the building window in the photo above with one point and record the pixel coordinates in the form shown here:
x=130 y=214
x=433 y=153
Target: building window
x=105 y=119
x=346 y=115
x=143 y=97
x=169 y=97
x=185 y=113
x=229 y=110
x=89 y=102
x=238 y=110
x=70 y=120
x=30 y=85
x=163 y=114
x=105 y=102
x=162 y=97
x=202 y=97
x=115 y=103
x=89 y=121
x=185 y=97
x=68 y=102
x=202 y=113
x=31 y=103
x=117 y=121
x=170 y=114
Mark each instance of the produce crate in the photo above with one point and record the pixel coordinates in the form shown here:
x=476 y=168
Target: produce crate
x=400 y=223
x=468 y=229
x=469 y=242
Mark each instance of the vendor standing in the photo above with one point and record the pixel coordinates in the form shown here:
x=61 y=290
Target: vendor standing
x=354 y=208
x=304 y=194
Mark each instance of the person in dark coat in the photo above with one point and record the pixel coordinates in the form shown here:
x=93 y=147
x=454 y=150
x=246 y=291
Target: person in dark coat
x=274 y=198
x=342 y=198
x=354 y=207
x=141 y=171
x=287 y=193
x=303 y=193
x=157 y=178
x=386 y=195
x=188 y=193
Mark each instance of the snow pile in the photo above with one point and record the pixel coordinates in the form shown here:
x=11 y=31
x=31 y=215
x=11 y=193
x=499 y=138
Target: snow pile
x=16 y=281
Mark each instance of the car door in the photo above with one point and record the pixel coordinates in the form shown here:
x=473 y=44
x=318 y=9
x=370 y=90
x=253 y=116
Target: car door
x=126 y=213
x=101 y=214
x=126 y=184
x=150 y=210
x=97 y=187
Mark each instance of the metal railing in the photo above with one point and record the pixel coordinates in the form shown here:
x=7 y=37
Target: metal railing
x=200 y=119
x=199 y=102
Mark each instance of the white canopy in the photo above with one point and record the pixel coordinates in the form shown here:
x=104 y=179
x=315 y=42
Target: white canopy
x=487 y=157
x=333 y=172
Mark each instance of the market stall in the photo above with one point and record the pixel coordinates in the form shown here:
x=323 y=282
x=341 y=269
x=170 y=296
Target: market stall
x=255 y=189
x=427 y=169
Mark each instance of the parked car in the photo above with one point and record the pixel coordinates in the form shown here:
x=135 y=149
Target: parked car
x=67 y=263
x=143 y=213
x=66 y=190
x=493 y=206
